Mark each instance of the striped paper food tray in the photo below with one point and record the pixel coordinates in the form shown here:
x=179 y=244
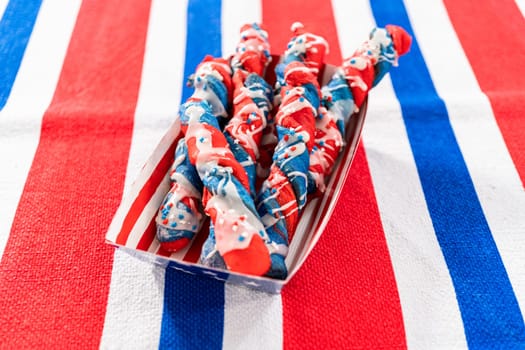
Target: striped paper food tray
x=133 y=226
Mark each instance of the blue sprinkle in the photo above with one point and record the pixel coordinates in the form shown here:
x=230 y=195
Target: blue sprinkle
x=300 y=137
x=301 y=99
x=202 y=139
x=181 y=216
x=369 y=52
x=300 y=41
x=241 y=238
x=321 y=143
x=194 y=227
x=321 y=116
x=173 y=224
x=261 y=233
x=199 y=79
x=289 y=45
x=248 y=121
x=315 y=148
x=352 y=61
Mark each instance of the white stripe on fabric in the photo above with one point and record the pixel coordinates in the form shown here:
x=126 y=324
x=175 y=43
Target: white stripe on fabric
x=161 y=84
x=136 y=297
x=252 y=320
x=521 y=6
x=430 y=311
x=241 y=304
x=20 y=121
x=3 y=5
x=135 y=302
x=234 y=15
x=493 y=173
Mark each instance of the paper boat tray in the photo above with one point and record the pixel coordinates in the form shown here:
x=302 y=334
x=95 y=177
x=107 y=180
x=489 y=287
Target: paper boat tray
x=133 y=226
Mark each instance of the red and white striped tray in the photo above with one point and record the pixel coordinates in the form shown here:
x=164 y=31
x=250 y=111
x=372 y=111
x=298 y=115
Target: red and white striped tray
x=133 y=226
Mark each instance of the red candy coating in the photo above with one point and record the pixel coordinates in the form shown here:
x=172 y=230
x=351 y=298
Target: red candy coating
x=175 y=245
x=254 y=260
x=401 y=39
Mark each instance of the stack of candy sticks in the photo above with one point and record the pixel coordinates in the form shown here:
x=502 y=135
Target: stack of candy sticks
x=224 y=173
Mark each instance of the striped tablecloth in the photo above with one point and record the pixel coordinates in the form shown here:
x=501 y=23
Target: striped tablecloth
x=426 y=247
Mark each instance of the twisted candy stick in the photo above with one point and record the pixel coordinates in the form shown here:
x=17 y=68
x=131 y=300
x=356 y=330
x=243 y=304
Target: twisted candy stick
x=304 y=47
x=373 y=60
x=238 y=231
x=252 y=53
x=251 y=106
x=244 y=131
x=268 y=143
x=346 y=92
x=252 y=98
x=180 y=216
x=283 y=194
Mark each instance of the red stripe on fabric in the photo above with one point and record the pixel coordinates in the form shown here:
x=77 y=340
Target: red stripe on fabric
x=346 y=289
x=56 y=268
x=496 y=57
x=146 y=193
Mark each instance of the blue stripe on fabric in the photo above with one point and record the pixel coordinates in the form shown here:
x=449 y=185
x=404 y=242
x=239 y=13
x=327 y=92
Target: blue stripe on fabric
x=488 y=306
x=203 y=36
x=193 y=315
x=16 y=27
